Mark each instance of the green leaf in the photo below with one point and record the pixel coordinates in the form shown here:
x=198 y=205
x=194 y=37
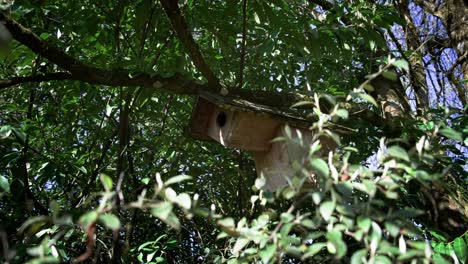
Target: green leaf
x=401 y=64
x=260 y=183
x=145 y=181
x=110 y=221
x=287 y=217
x=326 y=209
x=150 y=256
x=45 y=259
x=461 y=248
x=368 y=87
x=367 y=98
x=177 y=179
x=288 y=193
x=320 y=167
x=302 y=103
x=439 y=259
x=44 y=36
x=410 y=254
x=450 y=133
x=109 y=109
x=371 y=187
x=106 y=182
x=184 y=201
x=359 y=256
x=88 y=219
x=147 y=243
x=164 y=212
x=398 y=152
x=267 y=254
x=438 y=236
x=382 y=260
x=440 y=248
x=4 y=184
x=171 y=244
x=364 y=223
x=257 y=18
x=313 y=249
x=5 y=131
x=337 y=247
x=20 y=135
x=227 y=222
x=285 y=229
x=392 y=228
x=342 y=113
x=391 y=75
x=241 y=242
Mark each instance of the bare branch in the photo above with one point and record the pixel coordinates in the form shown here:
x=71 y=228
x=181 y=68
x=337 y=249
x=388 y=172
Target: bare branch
x=244 y=42
x=431 y=8
x=36 y=78
x=181 y=28
x=323 y=3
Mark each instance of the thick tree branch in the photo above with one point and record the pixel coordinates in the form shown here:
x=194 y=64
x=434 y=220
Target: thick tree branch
x=28 y=38
x=181 y=28
x=86 y=73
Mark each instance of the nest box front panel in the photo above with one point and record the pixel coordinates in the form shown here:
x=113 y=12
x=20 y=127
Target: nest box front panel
x=244 y=130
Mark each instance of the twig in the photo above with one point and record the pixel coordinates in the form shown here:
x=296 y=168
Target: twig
x=243 y=45
x=35 y=78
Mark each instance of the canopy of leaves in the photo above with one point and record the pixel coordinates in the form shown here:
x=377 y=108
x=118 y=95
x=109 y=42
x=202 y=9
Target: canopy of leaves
x=97 y=164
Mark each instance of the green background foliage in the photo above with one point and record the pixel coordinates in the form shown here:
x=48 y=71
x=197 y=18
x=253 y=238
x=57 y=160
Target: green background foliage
x=102 y=171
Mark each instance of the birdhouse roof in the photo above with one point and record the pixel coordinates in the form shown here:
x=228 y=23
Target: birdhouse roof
x=235 y=103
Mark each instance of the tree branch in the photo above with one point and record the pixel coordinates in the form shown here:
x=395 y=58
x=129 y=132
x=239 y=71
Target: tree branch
x=326 y=5
x=86 y=73
x=79 y=71
x=36 y=78
x=244 y=42
x=181 y=28
x=430 y=8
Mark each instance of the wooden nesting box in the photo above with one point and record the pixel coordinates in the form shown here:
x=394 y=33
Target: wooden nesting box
x=242 y=124
x=276 y=164
x=233 y=128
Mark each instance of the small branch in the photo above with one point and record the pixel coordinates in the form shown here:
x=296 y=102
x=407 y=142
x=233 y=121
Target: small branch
x=430 y=8
x=36 y=78
x=162 y=48
x=181 y=28
x=146 y=31
x=323 y=3
x=244 y=42
x=459 y=61
x=453 y=78
x=121 y=170
x=90 y=243
x=25 y=174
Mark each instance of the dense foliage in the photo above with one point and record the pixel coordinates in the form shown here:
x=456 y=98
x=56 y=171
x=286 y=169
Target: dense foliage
x=97 y=164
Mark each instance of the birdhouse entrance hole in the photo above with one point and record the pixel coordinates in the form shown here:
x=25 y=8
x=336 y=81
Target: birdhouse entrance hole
x=221 y=119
